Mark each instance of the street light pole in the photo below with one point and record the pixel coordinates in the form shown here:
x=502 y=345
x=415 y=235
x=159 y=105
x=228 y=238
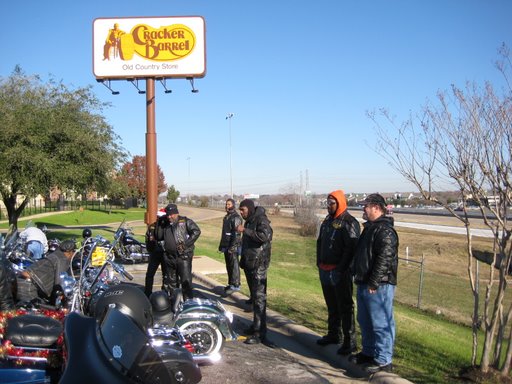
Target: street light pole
x=188 y=198
x=229 y=117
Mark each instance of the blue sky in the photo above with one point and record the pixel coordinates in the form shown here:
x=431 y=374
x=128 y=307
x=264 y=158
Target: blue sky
x=298 y=75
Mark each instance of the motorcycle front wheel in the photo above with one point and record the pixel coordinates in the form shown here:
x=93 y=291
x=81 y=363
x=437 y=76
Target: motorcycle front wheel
x=206 y=337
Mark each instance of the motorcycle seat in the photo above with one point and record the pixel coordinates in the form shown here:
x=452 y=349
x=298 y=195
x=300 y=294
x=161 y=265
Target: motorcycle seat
x=33 y=331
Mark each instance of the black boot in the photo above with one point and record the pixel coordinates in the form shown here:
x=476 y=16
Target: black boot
x=348 y=346
x=349 y=335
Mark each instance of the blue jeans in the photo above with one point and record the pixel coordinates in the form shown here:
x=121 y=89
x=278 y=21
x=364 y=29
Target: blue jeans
x=35 y=249
x=375 y=318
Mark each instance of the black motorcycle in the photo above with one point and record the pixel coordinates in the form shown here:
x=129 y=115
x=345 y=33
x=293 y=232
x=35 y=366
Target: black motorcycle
x=205 y=324
x=128 y=249
x=114 y=347
x=111 y=347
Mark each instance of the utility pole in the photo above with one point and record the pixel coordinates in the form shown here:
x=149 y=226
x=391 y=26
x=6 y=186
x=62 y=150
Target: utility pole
x=229 y=117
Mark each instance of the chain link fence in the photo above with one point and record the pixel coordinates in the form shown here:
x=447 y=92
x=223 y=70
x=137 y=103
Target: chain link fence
x=445 y=294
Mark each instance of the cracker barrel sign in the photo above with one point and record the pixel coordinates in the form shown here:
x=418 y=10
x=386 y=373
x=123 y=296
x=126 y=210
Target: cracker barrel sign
x=149 y=47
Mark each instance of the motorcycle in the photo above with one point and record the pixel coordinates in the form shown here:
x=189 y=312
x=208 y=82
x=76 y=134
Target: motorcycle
x=13 y=248
x=112 y=347
x=111 y=341
x=15 y=260
x=128 y=248
x=115 y=347
x=203 y=323
x=95 y=271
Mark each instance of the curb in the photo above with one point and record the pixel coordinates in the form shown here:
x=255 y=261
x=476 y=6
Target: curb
x=308 y=338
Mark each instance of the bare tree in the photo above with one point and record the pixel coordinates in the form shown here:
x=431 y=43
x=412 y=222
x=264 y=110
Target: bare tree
x=464 y=142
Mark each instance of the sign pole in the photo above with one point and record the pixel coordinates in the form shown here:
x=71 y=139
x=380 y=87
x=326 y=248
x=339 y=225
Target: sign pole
x=151 y=163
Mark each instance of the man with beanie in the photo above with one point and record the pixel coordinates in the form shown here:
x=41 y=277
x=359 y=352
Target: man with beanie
x=255 y=260
x=230 y=241
x=335 y=247
x=375 y=274
x=178 y=234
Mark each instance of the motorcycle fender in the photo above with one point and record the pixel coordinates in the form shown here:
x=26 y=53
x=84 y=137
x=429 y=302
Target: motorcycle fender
x=221 y=322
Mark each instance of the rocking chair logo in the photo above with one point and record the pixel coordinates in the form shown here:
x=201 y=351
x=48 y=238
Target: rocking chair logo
x=141 y=46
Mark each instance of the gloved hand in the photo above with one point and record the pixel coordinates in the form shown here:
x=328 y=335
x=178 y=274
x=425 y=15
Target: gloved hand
x=180 y=248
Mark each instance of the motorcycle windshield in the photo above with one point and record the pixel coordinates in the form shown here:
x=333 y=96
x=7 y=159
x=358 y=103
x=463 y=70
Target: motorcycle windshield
x=129 y=347
x=123 y=339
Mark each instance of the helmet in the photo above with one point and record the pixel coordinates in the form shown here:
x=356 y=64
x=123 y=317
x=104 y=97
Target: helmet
x=129 y=300
x=160 y=301
x=67 y=246
x=86 y=233
x=76 y=264
x=162 y=307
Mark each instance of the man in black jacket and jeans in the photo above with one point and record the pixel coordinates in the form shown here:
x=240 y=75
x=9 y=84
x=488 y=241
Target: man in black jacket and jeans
x=230 y=241
x=255 y=260
x=375 y=274
x=178 y=234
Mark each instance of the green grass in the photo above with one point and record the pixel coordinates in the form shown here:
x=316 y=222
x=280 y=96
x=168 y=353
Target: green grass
x=61 y=225
x=429 y=349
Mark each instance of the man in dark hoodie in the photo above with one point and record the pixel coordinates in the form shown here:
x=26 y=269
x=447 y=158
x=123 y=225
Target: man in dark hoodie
x=335 y=247
x=375 y=274
x=230 y=241
x=256 y=251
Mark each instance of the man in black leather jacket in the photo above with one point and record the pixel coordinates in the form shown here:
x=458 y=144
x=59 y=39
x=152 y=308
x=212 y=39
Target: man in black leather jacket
x=255 y=260
x=375 y=274
x=178 y=234
x=230 y=241
x=335 y=248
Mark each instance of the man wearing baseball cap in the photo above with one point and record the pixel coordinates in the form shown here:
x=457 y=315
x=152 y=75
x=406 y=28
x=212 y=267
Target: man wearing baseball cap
x=375 y=275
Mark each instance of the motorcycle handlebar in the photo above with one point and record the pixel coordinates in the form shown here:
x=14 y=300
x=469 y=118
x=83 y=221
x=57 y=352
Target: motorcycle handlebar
x=127 y=275
x=120 y=269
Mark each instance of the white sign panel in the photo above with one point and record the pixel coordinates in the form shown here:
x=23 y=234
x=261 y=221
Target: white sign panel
x=149 y=47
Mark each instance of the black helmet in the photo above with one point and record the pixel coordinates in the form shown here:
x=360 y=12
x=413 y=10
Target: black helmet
x=162 y=307
x=129 y=300
x=160 y=301
x=76 y=264
x=86 y=233
x=67 y=246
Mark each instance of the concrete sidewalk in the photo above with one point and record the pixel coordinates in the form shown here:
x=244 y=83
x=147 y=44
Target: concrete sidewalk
x=203 y=266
